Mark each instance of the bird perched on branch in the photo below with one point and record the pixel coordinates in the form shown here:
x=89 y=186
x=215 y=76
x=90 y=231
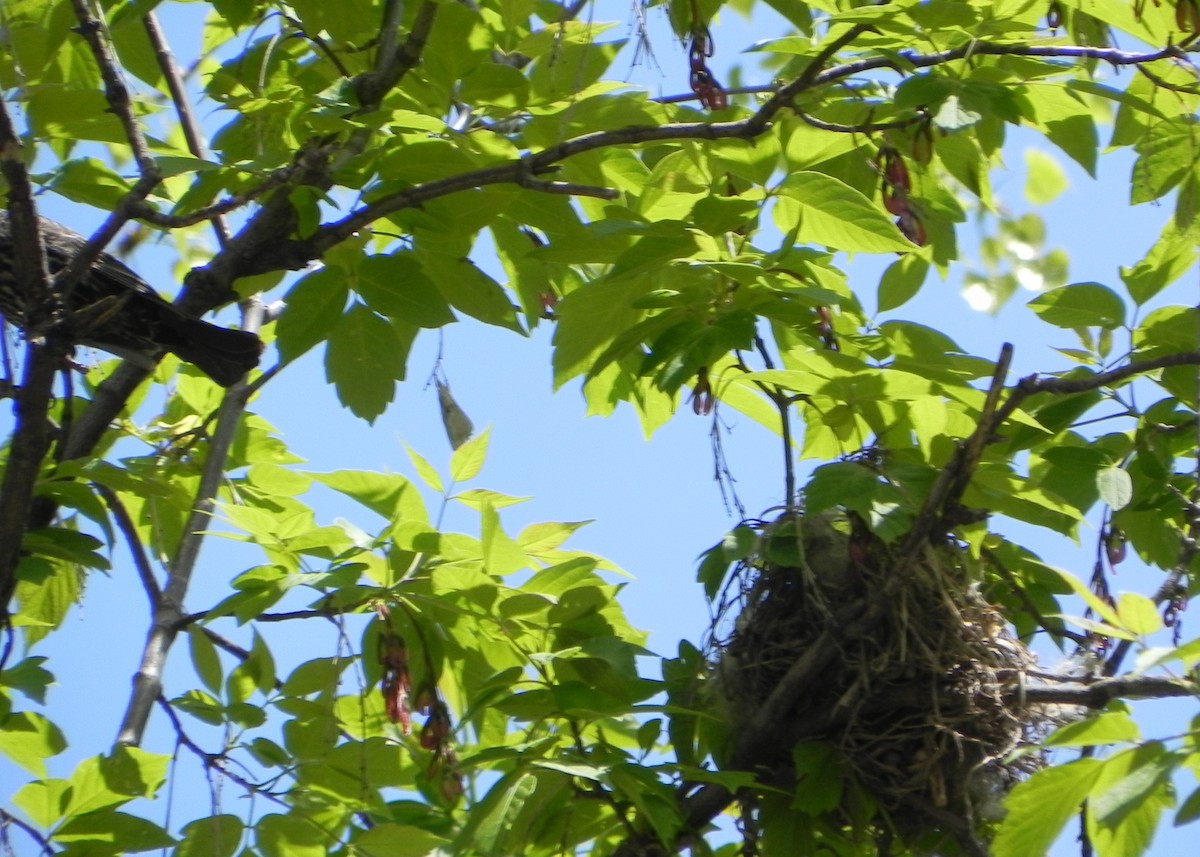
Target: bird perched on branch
x=115 y=310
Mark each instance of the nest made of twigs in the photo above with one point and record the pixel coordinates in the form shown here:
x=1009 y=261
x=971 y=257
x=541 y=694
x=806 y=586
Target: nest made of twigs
x=896 y=662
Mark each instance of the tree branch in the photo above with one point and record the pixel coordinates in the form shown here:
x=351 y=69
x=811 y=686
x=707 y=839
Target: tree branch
x=147 y=684
x=43 y=356
x=137 y=550
x=115 y=92
x=183 y=106
x=1098 y=694
x=8 y=819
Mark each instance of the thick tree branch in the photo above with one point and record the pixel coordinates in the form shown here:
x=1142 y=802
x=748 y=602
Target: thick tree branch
x=147 y=685
x=1098 y=694
x=44 y=354
x=394 y=60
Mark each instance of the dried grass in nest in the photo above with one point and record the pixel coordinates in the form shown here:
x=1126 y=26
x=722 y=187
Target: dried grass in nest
x=917 y=690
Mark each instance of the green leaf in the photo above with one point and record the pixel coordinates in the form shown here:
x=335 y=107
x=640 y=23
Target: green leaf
x=1109 y=727
x=389 y=495
x=1040 y=807
x=28 y=739
x=365 y=357
x=547 y=536
x=43 y=801
x=469 y=289
x=315 y=676
x=1116 y=487
x=89 y=181
x=497 y=85
x=311 y=311
x=467 y=460
x=1128 y=798
x=820 y=778
x=1138 y=615
x=830 y=212
x=65 y=544
x=501 y=555
x=216 y=836
x=103 y=782
x=257 y=672
x=1189 y=810
x=1080 y=305
x=113 y=833
x=1171 y=257
x=29 y=678
x=1167 y=330
x=589 y=319
x=398 y=287
x=289 y=836
x=425 y=470
x=1044 y=178
x=901 y=281
x=1164 y=158
x=397 y=840
x=205 y=659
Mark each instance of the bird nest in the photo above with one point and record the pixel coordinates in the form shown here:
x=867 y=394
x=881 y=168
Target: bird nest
x=895 y=662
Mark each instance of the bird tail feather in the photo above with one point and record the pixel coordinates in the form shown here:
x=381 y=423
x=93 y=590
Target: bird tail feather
x=223 y=354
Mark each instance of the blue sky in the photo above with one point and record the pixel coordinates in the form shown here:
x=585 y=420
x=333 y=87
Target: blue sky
x=654 y=503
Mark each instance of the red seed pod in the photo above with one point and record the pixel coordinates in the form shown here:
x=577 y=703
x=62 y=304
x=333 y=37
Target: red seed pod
x=451 y=786
x=825 y=328
x=1054 y=15
x=394 y=688
x=426 y=699
x=702 y=398
x=429 y=737
x=1187 y=16
x=393 y=653
x=922 y=147
x=895 y=201
x=436 y=730
x=1114 y=546
x=712 y=94
x=912 y=228
x=895 y=172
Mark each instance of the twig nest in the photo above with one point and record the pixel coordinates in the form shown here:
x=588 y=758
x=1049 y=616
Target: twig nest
x=895 y=662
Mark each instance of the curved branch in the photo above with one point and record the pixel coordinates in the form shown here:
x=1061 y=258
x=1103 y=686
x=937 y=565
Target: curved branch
x=125 y=524
x=7 y=818
x=147 y=684
x=44 y=354
x=115 y=92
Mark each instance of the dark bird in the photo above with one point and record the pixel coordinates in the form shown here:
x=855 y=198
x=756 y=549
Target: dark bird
x=115 y=310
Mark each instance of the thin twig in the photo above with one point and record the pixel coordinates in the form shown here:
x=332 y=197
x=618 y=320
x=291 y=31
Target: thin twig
x=183 y=105
x=8 y=819
x=213 y=761
x=1027 y=602
x=95 y=33
x=169 y=609
x=141 y=562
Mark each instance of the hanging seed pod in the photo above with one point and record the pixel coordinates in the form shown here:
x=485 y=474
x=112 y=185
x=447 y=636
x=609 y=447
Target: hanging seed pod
x=1054 y=15
x=922 y=146
x=912 y=228
x=1187 y=16
x=1114 y=546
x=895 y=171
x=894 y=201
x=702 y=394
